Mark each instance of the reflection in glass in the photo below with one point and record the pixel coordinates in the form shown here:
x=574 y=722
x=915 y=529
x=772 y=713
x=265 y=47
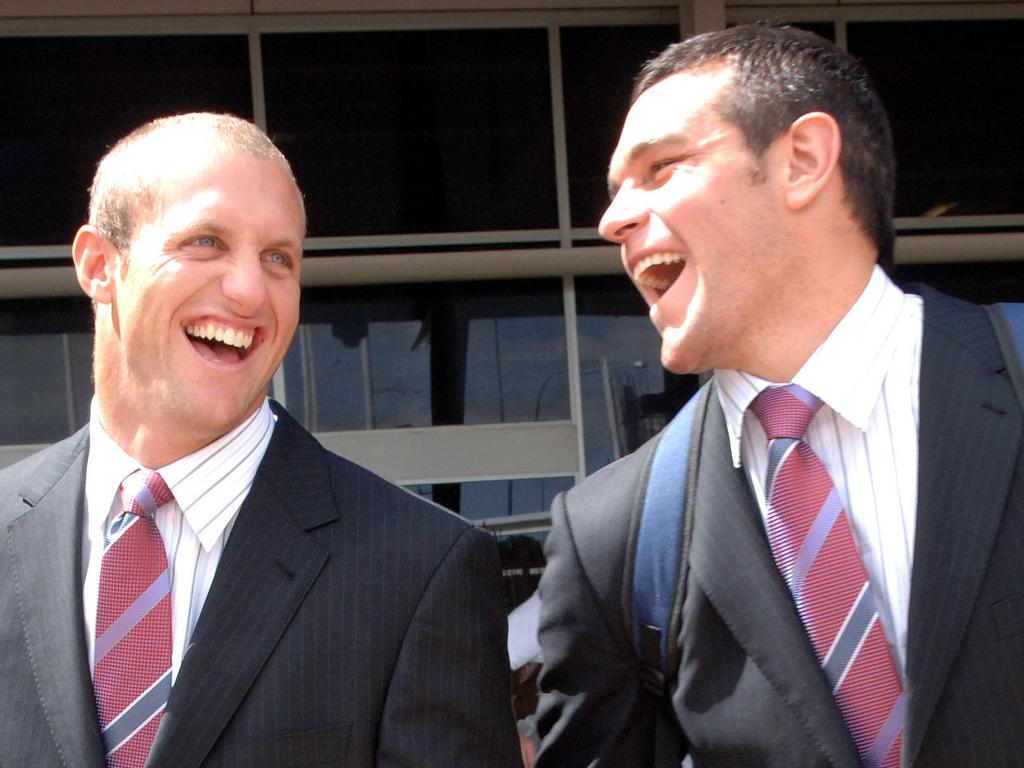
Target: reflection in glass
x=980 y=282
x=486 y=499
x=45 y=369
x=440 y=353
x=598 y=67
x=415 y=131
x=952 y=89
x=627 y=395
x=67 y=99
x=522 y=563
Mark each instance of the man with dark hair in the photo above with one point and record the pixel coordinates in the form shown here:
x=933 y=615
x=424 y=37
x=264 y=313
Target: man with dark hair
x=853 y=586
x=192 y=580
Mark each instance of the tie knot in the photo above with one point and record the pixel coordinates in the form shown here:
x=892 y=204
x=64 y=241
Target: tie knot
x=785 y=411
x=143 y=492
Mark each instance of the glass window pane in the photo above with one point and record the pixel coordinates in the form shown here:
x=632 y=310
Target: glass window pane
x=415 y=131
x=980 y=282
x=66 y=99
x=485 y=499
x=953 y=94
x=45 y=369
x=824 y=29
x=522 y=562
x=598 y=67
x=627 y=395
x=440 y=353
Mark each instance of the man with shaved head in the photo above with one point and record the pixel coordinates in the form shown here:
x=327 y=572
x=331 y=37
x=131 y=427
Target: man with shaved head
x=854 y=482
x=192 y=580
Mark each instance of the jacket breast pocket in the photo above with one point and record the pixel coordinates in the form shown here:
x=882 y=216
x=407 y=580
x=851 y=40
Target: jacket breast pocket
x=310 y=749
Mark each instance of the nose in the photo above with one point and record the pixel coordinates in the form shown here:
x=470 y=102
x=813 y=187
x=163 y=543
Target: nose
x=623 y=215
x=244 y=283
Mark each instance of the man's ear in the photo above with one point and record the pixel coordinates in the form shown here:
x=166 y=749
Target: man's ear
x=814 y=142
x=96 y=262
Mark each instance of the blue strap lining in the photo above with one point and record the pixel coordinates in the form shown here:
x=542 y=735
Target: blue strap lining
x=656 y=566
x=1014 y=314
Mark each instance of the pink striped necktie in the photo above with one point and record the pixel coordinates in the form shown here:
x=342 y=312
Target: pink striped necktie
x=813 y=546
x=132 y=665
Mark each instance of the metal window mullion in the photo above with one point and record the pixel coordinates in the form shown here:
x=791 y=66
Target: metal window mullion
x=355 y=21
x=69 y=389
x=558 y=129
x=572 y=352
x=259 y=99
x=259 y=116
x=841 y=41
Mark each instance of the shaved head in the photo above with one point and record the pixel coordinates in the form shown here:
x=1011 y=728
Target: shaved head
x=126 y=189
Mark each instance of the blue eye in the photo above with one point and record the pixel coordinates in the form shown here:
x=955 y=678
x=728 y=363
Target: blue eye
x=205 y=241
x=278 y=258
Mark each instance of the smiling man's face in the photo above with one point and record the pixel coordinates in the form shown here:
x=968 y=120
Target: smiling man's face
x=695 y=216
x=202 y=307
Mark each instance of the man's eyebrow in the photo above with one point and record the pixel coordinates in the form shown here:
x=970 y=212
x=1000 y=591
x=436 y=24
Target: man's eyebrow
x=285 y=242
x=196 y=228
x=641 y=148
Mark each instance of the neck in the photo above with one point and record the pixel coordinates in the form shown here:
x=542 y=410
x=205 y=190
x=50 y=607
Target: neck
x=151 y=448
x=803 y=318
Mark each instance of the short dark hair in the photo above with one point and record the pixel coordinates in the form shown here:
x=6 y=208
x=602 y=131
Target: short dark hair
x=783 y=73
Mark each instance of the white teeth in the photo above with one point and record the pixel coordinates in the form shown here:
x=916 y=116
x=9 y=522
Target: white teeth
x=229 y=336
x=655 y=259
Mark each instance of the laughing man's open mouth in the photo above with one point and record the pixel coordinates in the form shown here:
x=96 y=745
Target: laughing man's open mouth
x=220 y=344
x=659 y=270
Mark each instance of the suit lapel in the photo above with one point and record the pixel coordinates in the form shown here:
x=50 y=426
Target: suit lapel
x=969 y=434
x=728 y=530
x=46 y=546
x=268 y=566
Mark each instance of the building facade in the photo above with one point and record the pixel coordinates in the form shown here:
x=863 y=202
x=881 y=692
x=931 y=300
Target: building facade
x=464 y=330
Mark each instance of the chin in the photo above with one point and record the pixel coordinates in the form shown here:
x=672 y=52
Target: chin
x=678 y=353
x=674 y=362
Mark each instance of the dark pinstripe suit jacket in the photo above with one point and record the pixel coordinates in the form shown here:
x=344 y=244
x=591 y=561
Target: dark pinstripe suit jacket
x=749 y=691
x=349 y=623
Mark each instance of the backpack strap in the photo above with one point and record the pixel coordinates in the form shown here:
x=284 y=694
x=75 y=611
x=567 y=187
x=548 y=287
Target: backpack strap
x=657 y=556
x=1008 y=323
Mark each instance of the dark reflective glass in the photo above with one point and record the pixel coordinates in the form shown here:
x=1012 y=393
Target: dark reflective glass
x=522 y=562
x=438 y=353
x=627 y=395
x=980 y=282
x=953 y=93
x=598 y=68
x=484 y=499
x=67 y=99
x=45 y=369
x=415 y=131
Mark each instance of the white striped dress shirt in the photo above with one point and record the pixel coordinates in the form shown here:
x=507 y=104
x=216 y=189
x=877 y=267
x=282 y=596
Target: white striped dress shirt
x=865 y=434
x=209 y=486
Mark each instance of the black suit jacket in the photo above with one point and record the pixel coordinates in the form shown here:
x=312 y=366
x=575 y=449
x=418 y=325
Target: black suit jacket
x=349 y=623
x=749 y=690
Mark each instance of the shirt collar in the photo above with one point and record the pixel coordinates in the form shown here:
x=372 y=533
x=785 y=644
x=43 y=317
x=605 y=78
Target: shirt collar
x=848 y=369
x=209 y=485
x=106 y=468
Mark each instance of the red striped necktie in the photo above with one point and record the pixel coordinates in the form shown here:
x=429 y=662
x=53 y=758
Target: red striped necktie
x=132 y=665
x=813 y=546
